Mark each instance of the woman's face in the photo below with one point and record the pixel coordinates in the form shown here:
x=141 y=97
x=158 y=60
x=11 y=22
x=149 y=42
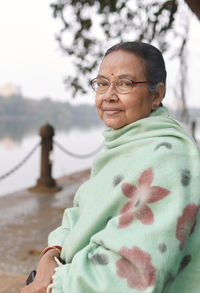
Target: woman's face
x=118 y=110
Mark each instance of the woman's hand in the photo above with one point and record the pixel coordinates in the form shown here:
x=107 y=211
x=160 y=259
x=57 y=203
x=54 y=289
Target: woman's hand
x=45 y=271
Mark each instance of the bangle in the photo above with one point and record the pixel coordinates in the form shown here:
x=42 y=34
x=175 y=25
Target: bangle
x=57 y=248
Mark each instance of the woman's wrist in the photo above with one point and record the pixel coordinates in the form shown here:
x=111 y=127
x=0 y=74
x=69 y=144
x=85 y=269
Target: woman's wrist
x=52 y=251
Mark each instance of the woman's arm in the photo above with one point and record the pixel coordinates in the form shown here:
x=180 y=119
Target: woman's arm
x=70 y=218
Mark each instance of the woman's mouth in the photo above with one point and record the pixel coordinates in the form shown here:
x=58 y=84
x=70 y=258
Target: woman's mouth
x=111 y=111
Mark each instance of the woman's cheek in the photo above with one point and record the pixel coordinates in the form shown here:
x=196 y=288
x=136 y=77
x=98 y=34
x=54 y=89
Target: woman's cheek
x=98 y=107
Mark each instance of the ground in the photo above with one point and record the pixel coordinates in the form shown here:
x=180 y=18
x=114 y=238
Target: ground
x=26 y=218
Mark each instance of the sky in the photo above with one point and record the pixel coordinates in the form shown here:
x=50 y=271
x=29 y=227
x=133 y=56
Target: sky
x=29 y=53
x=30 y=56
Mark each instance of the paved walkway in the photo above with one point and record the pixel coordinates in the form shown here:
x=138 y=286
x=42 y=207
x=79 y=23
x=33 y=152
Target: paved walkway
x=11 y=283
x=26 y=218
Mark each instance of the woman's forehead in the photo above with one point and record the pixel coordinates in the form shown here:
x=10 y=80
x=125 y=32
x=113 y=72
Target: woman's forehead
x=122 y=62
x=122 y=76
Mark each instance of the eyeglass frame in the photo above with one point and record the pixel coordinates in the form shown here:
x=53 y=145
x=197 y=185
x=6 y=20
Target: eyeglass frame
x=109 y=83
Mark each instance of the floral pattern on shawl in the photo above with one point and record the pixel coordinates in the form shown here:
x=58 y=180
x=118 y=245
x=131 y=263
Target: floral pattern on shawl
x=186 y=223
x=136 y=267
x=140 y=196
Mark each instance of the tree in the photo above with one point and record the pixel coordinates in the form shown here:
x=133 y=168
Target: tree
x=195 y=6
x=90 y=26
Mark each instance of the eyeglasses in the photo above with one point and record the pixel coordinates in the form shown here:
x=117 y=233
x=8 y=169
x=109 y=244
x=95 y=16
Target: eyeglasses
x=122 y=85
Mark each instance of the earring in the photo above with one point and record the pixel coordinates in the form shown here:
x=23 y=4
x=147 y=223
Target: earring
x=154 y=106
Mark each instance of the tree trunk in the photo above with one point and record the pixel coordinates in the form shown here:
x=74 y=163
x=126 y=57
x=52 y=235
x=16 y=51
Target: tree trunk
x=195 y=6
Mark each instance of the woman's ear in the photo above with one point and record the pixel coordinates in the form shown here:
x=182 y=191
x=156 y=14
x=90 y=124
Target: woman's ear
x=158 y=95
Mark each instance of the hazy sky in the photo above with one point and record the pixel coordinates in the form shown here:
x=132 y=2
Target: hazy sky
x=29 y=54
x=31 y=59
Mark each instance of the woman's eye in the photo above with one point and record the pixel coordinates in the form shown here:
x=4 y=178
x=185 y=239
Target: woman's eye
x=102 y=84
x=125 y=83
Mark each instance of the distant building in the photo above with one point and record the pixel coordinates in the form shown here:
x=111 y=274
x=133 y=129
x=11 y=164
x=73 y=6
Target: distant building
x=9 y=89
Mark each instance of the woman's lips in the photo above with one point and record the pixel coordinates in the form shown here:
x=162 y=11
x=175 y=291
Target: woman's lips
x=111 y=111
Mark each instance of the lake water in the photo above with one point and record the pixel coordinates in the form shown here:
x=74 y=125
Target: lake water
x=17 y=139
x=13 y=148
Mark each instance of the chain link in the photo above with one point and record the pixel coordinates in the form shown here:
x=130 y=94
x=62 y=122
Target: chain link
x=14 y=169
x=79 y=156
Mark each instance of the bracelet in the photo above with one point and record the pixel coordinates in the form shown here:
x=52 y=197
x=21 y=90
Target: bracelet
x=57 y=248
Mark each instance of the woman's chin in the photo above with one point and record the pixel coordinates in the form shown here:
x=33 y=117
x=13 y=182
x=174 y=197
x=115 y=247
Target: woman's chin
x=114 y=124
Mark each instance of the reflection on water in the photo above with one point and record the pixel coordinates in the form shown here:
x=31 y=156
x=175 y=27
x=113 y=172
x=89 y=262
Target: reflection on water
x=17 y=139
x=15 y=130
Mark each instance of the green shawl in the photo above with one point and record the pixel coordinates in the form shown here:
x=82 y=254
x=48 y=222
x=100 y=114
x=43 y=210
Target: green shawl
x=134 y=225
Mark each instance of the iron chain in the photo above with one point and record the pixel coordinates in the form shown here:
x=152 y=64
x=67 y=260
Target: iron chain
x=79 y=156
x=14 y=169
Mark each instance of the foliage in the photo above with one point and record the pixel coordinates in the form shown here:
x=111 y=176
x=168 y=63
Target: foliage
x=61 y=115
x=91 y=26
x=20 y=116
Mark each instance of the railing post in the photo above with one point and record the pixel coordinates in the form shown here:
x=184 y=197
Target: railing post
x=46 y=183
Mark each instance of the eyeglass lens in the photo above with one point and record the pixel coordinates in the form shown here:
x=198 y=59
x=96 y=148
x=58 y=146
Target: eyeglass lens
x=121 y=85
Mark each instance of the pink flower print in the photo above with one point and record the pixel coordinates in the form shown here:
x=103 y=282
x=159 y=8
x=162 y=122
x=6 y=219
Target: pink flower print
x=140 y=196
x=135 y=266
x=186 y=223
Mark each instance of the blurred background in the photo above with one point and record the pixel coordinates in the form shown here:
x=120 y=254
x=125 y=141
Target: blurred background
x=51 y=49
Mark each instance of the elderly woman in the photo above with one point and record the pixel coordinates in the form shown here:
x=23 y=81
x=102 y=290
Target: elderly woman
x=134 y=226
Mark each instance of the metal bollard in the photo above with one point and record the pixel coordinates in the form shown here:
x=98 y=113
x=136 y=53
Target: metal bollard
x=46 y=183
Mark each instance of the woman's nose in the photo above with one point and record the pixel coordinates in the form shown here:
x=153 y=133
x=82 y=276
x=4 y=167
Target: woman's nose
x=111 y=94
